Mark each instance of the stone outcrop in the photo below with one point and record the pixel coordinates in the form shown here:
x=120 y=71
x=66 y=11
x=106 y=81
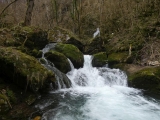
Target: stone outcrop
x=59 y=60
x=99 y=59
x=23 y=70
x=71 y=52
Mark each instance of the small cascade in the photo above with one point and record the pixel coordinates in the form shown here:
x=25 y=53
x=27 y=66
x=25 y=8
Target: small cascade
x=96 y=33
x=71 y=64
x=94 y=77
x=47 y=48
x=98 y=94
x=62 y=81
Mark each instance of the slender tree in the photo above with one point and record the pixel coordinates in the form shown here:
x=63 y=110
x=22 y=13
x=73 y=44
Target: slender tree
x=29 y=11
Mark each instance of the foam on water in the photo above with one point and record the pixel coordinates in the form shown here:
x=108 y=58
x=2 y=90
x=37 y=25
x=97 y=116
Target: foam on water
x=101 y=94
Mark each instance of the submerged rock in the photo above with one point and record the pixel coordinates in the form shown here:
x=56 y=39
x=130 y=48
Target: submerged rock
x=71 y=52
x=59 y=60
x=23 y=70
x=99 y=59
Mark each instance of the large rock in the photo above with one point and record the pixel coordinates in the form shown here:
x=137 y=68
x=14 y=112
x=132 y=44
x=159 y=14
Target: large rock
x=147 y=79
x=64 y=36
x=27 y=39
x=59 y=60
x=23 y=70
x=115 y=58
x=142 y=77
x=31 y=37
x=71 y=52
x=76 y=43
x=99 y=59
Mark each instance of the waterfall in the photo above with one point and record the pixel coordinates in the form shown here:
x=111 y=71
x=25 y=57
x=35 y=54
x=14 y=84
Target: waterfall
x=98 y=94
x=71 y=64
x=62 y=81
x=93 y=77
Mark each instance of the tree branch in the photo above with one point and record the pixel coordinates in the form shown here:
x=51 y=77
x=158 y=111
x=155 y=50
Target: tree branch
x=7 y=7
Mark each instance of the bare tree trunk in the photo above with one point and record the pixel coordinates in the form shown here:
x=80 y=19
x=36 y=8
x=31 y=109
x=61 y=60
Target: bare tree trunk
x=55 y=10
x=29 y=11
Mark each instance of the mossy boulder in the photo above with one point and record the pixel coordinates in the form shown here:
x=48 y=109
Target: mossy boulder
x=60 y=60
x=61 y=35
x=115 y=58
x=71 y=52
x=76 y=43
x=147 y=79
x=31 y=37
x=29 y=40
x=23 y=70
x=99 y=59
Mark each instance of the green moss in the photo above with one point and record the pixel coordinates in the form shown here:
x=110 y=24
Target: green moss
x=31 y=37
x=59 y=60
x=148 y=79
x=99 y=59
x=115 y=58
x=71 y=52
x=144 y=72
x=23 y=69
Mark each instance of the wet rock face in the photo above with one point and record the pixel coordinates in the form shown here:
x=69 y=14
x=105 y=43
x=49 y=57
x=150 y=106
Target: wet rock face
x=23 y=70
x=99 y=59
x=71 y=52
x=59 y=60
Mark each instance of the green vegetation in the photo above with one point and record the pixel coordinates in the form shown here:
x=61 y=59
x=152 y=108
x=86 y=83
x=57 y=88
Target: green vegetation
x=99 y=59
x=59 y=60
x=71 y=52
x=148 y=79
x=115 y=58
x=129 y=39
x=23 y=70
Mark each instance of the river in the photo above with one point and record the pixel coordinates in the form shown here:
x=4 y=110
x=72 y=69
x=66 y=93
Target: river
x=98 y=94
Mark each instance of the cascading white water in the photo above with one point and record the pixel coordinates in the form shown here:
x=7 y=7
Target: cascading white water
x=62 y=80
x=99 y=94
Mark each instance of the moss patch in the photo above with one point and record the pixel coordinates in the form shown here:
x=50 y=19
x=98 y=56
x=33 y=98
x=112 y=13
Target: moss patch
x=60 y=61
x=71 y=52
x=115 y=58
x=99 y=59
x=148 y=79
x=22 y=69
